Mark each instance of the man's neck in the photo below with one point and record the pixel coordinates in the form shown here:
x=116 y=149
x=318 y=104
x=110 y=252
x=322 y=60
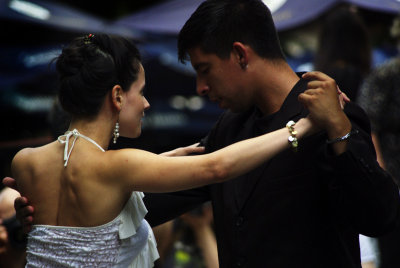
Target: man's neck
x=274 y=89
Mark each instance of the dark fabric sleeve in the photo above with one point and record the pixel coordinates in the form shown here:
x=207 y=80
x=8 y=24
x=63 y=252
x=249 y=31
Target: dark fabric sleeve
x=362 y=194
x=167 y=206
x=163 y=207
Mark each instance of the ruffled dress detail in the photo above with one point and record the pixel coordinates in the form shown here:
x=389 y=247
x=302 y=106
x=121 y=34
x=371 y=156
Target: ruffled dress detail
x=126 y=241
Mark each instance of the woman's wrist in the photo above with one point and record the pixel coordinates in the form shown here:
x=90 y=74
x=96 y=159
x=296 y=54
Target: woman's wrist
x=297 y=130
x=304 y=127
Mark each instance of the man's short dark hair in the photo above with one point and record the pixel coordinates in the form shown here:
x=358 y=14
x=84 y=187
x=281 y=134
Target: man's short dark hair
x=217 y=24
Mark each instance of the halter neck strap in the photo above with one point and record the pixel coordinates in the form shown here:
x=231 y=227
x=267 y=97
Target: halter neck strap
x=64 y=139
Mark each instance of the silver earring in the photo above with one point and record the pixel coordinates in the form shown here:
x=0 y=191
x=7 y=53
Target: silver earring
x=116 y=133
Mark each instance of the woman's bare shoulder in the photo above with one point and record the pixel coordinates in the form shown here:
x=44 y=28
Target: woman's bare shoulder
x=25 y=157
x=20 y=164
x=125 y=163
x=129 y=157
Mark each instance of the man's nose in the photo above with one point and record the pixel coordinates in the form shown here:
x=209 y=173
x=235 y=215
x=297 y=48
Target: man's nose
x=202 y=88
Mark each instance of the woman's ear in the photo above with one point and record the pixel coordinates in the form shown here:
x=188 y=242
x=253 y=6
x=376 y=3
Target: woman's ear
x=241 y=54
x=117 y=97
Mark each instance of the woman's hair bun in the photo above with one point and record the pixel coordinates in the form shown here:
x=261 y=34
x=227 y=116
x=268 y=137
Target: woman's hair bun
x=90 y=66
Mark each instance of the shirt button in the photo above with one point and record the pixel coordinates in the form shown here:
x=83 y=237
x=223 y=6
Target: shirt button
x=239 y=221
x=240 y=262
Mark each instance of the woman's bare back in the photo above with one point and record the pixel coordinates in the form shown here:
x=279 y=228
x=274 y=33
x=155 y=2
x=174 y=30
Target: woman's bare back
x=75 y=195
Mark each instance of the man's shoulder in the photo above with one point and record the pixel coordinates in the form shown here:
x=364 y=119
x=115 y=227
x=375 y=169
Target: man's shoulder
x=226 y=129
x=233 y=121
x=233 y=117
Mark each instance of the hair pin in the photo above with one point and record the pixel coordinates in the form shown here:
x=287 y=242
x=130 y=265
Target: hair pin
x=88 y=39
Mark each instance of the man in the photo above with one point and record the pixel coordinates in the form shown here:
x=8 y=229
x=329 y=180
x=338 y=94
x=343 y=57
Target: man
x=301 y=209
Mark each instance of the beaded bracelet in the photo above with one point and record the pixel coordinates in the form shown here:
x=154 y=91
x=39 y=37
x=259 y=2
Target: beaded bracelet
x=345 y=137
x=292 y=138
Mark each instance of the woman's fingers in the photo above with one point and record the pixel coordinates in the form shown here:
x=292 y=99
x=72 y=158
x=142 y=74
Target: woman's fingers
x=182 y=151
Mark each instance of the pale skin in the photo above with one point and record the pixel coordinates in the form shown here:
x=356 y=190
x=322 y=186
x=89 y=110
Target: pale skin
x=70 y=192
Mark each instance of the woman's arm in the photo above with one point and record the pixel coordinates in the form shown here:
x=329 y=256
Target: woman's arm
x=138 y=170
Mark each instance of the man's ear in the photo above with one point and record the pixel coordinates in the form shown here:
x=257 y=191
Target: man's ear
x=241 y=54
x=117 y=97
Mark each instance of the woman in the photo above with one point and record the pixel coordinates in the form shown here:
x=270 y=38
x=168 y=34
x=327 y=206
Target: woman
x=101 y=86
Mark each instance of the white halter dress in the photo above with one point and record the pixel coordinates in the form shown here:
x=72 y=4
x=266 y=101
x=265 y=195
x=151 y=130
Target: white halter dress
x=126 y=241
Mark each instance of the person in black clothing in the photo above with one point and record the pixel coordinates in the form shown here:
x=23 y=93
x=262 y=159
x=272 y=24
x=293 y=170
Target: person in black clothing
x=303 y=209
x=300 y=209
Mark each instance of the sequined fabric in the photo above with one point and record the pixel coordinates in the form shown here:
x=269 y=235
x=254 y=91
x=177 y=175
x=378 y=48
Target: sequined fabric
x=126 y=241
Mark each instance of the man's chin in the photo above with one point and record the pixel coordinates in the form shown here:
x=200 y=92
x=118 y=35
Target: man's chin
x=224 y=105
x=237 y=109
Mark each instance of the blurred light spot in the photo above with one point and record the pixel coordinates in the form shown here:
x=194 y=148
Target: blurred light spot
x=305 y=67
x=37 y=104
x=30 y=9
x=195 y=103
x=274 y=5
x=167 y=58
x=165 y=120
x=40 y=58
x=178 y=102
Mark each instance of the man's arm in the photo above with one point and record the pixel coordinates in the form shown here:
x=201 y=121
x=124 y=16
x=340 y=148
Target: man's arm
x=320 y=96
x=362 y=194
x=166 y=206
